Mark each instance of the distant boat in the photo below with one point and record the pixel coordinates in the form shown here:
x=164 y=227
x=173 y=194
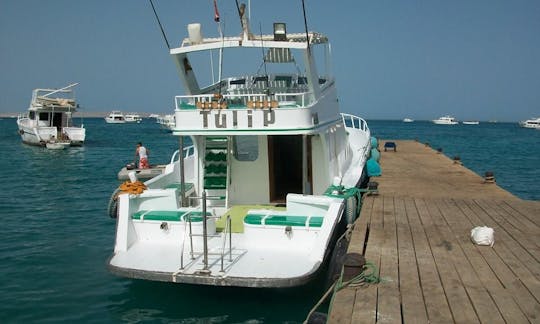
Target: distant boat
x=167 y=122
x=133 y=118
x=470 y=122
x=445 y=120
x=408 y=120
x=50 y=117
x=115 y=117
x=531 y=123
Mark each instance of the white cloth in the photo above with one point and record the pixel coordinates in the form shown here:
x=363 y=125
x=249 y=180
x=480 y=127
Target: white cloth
x=483 y=235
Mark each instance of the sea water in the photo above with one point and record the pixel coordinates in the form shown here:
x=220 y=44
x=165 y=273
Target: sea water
x=56 y=237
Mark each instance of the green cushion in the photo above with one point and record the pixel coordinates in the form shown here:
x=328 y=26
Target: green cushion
x=283 y=220
x=238 y=213
x=168 y=215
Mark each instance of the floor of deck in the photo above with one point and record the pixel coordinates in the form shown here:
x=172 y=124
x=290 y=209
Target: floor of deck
x=417 y=233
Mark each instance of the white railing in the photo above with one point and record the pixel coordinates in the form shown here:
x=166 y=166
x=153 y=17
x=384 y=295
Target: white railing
x=188 y=151
x=352 y=121
x=242 y=100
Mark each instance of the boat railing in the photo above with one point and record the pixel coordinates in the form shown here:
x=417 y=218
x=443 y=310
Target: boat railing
x=352 y=121
x=243 y=100
x=226 y=233
x=188 y=151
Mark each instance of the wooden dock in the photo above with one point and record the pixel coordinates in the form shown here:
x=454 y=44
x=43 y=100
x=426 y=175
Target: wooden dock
x=417 y=232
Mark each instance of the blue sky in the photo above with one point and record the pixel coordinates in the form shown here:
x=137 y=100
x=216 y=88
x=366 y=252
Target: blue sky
x=475 y=59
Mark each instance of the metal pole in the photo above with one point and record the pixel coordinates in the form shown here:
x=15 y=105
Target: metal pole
x=181 y=167
x=304 y=166
x=229 y=221
x=205 y=237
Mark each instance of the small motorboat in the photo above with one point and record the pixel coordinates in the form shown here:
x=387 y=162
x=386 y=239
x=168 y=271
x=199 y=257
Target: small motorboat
x=142 y=174
x=53 y=145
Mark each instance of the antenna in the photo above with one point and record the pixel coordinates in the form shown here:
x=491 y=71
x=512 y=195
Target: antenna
x=159 y=23
x=305 y=25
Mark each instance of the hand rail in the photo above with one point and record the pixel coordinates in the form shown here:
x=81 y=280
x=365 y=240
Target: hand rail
x=229 y=231
x=188 y=151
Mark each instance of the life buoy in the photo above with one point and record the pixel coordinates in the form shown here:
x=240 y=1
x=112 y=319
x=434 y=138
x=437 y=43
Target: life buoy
x=136 y=188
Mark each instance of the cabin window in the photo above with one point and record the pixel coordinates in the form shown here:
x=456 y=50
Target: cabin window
x=246 y=148
x=43 y=116
x=32 y=115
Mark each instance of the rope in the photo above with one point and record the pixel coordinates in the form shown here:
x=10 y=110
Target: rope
x=136 y=187
x=367 y=276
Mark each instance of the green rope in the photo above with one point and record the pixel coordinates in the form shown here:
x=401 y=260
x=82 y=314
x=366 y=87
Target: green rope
x=341 y=192
x=367 y=276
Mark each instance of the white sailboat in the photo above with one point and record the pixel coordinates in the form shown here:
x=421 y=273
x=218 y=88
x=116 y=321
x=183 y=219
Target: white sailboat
x=50 y=117
x=269 y=184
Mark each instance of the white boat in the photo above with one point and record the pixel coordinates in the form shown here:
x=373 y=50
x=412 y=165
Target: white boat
x=50 y=116
x=167 y=122
x=133 y=118
x=470 y=122
x=53 y=145
x=531 y=123
x=445 y=120
x=408 y=120
x=115 y=117
x=270 y=182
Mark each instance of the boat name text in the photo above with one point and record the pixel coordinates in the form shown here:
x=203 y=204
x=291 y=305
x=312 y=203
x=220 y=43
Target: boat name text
x=223 y=120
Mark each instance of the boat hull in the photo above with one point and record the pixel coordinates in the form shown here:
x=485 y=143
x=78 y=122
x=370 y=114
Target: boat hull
x=39 y=136
x=262 y=255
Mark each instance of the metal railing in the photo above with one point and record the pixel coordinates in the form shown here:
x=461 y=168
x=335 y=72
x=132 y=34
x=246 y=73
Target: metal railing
x=227 y=233
x=281 y=98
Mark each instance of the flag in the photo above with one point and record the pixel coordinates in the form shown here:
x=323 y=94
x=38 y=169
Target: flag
x=216 y=12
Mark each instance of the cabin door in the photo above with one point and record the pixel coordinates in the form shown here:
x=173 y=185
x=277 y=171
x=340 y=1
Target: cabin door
x=57 y=120
x=285 y=166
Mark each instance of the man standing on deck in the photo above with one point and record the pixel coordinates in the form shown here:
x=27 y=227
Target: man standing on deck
x=142 y=152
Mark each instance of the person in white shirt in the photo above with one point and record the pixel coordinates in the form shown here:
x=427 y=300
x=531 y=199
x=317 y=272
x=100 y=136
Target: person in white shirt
x=142 y=152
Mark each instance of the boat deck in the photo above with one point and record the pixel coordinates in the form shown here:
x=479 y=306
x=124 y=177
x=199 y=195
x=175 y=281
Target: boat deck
x=417 y=233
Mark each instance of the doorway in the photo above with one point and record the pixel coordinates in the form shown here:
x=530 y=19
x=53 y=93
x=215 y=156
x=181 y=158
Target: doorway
x=285 y=166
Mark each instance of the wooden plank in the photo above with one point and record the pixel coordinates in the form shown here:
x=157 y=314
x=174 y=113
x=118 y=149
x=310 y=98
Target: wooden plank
x=513 y=209
x=515 y=252
x=361 y=226
x=389 y=306
x=412 y=299
x=342 y=303
x=461 y=225
x=529 y=209
x=527 y=240
x=344 y=300
x=365 y=309
x=460 y=304
x=484 y=306
x=437 y=306
x=520 y=293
